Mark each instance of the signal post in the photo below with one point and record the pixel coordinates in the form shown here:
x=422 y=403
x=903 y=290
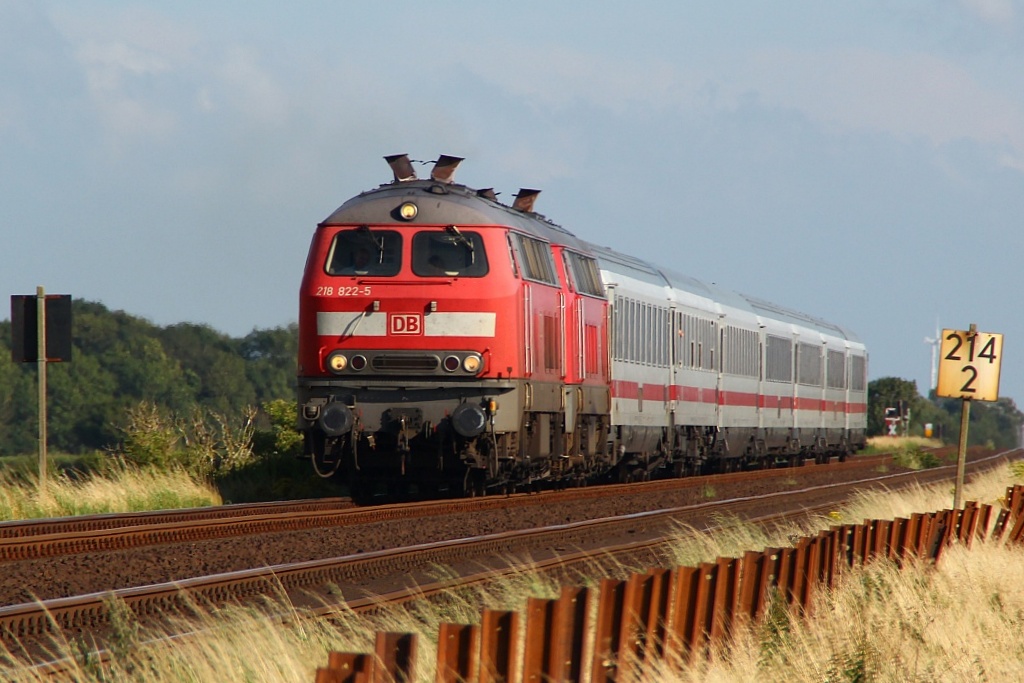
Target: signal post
x=969 y=370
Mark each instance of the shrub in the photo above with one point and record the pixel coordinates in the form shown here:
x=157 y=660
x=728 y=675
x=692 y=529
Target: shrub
x=281 y=439
x=911 y=456
x=149 y=437
x=204 y=444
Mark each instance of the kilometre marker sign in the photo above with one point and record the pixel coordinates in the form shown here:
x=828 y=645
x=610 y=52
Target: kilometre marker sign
x=969 y=365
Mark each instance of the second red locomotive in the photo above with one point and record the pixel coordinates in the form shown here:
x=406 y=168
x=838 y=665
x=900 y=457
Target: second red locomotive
x=449 y=341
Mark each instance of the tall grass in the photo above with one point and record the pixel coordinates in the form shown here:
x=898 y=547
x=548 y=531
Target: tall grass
x=120 y=488
x=962 y=620
x=885 y=444
x=958 y=621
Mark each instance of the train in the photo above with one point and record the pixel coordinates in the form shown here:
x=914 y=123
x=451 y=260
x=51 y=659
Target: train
x=452 y=343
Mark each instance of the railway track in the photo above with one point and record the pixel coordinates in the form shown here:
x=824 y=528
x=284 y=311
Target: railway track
x=314 y=583
x=52 y=538
x=86 y=523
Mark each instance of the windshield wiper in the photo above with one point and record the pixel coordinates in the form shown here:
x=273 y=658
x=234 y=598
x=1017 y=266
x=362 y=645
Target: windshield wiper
x=377 y=242
x=459 y=238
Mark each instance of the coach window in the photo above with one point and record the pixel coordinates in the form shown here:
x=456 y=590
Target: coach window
x=362 y=251
x=448 y=253
x=808 y=364
x=779 y=359
x=835 y=370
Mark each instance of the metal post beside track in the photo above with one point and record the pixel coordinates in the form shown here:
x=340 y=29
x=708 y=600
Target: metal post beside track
x=41 y=364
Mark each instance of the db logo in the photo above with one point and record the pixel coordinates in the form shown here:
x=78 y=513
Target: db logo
x=405 y=323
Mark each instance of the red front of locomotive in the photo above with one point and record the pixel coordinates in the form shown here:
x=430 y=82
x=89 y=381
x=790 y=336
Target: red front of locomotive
x=408 y=339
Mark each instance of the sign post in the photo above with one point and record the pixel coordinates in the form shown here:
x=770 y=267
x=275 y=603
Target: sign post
x=41 y=365
x=969 y=370
x=35 y=340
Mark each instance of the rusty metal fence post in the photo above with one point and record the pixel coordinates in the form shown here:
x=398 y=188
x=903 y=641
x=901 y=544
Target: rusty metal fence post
x=606 y=628
x=498 y=633
x=668 y=614
x=458 y=653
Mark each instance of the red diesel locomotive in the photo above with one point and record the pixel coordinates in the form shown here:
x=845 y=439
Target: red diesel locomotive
x=451 y=342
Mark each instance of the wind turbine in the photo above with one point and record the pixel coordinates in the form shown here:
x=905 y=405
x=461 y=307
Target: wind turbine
x=934 y=343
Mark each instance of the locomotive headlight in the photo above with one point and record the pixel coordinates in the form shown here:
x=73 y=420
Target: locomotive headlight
x=337 y=362
x=408 y=211
x=471 y=363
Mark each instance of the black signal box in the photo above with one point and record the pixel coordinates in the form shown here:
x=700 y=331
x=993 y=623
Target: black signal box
x=25 y=331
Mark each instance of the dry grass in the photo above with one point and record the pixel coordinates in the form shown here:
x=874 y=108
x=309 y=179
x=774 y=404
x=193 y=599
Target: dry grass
x=960 y=621
x=121 y=489
x=885 y=444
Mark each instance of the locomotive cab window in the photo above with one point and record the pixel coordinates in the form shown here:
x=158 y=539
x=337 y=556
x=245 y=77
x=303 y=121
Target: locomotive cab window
x=584 y=274
x=448 y=253
x=362 y=251
x=535 y=259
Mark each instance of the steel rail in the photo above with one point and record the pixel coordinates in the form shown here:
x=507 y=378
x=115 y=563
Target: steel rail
x=84 y=523
x=104 y=533
x=306 y=581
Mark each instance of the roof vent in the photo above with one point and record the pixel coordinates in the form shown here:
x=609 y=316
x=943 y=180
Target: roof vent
x=444 y=168
x=401 y=167
x=487 y=193
x=525 y=199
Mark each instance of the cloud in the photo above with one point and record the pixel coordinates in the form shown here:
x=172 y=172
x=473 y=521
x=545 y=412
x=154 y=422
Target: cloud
x=997 y=12
x=250 y=88
x=906 y=95
x=112 y=72
x=110 y=63
x=131 y=61
x=919 y=95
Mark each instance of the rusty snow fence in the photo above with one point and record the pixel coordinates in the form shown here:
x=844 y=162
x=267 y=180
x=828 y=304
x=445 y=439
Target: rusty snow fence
x=590 y=634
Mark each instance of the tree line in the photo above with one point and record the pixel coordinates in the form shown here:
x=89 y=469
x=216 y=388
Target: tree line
x=996 y=424
x=120 y=361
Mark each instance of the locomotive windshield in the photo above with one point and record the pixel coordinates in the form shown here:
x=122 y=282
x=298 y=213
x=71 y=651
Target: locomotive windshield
x=362 y=251
x=448 y=253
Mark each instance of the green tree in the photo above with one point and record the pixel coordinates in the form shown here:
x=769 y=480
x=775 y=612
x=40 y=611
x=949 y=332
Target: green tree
x=270 y=361
x=18 y=400
x=213 y=363
x=888 y=392
x=996 y=424
x=120 y=361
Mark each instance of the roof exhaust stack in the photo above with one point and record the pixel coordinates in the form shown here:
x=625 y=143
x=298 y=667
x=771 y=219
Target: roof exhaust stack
x=401 y=167
x=525 y=199
x=444 y=168
x=487 y=193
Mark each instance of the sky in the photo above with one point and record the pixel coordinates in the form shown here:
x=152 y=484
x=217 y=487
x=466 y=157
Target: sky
x=859 y=161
